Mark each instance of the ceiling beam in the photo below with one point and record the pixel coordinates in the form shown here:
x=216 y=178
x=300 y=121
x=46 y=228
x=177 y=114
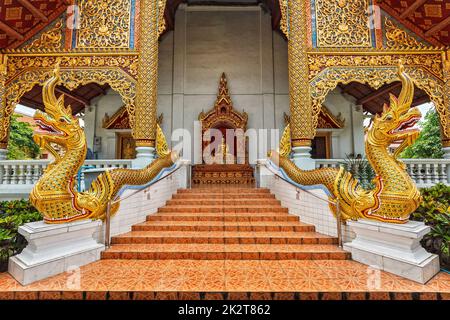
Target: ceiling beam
x=34 y=11
x=347 y=88
x=10 y=31
x=421 y=100
x=31 y=103
x=438 y=27
x=381 y=92
x=73 y=96
x=412 y=8
x=98 y=88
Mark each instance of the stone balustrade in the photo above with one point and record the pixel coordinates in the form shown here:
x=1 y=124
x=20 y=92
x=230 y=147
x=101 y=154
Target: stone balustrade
x=21 y=172
x=425 y=172
x=17 y=177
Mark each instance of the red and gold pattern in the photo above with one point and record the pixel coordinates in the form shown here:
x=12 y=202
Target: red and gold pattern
x=21 y=20
x=431 y=13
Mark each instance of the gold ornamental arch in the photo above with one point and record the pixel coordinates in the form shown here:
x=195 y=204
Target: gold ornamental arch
x=329 y=78
x=71 y=78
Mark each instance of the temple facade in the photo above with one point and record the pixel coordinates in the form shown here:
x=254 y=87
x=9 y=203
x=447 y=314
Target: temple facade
x=348 y=71
x=224 y=149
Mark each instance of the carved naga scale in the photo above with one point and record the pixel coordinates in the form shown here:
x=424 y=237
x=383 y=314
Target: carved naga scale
x=55 y=195
x=395 y=195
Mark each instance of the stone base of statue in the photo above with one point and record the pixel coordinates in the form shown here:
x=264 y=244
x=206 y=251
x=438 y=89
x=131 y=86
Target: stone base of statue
x=53 y=249
x=393 y=248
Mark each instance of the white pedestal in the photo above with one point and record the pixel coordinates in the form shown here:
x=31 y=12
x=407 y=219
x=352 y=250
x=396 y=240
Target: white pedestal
x=301 y=156
x=144 y=156
x=185 y=174
x=393 y=248
x=53 y=249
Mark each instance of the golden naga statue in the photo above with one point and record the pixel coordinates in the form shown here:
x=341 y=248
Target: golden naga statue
x=395 y=195
x=55 y=195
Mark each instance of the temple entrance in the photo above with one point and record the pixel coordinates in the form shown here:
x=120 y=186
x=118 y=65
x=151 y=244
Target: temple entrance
x=224 y=146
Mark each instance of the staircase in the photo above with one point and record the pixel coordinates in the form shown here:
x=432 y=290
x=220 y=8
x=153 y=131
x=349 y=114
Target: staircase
x=224 y=224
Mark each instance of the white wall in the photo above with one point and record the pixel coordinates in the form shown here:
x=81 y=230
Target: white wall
x=93 y=119
x=304 y=204
x=350 y=139
x=209 y=40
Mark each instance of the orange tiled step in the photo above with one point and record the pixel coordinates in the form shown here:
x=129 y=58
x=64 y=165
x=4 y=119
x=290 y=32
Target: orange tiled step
x=247 y=226
x=225 y=202
x=222 y=208
x=224 y=251
x=228 y=237
x=224 y=191
x=229 y=217
x=224 y=196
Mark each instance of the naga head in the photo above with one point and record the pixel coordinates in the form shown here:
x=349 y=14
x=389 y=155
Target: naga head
x=398 y=118
x=57 y=122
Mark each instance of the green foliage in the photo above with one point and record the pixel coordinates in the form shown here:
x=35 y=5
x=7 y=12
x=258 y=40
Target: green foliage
x=21 y=145
x=13 y=214
x=429 y=144
x=361 y=170
x=435 y=212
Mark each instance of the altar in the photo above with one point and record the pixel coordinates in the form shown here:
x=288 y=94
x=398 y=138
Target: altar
x=223 y=174
x=224 y=145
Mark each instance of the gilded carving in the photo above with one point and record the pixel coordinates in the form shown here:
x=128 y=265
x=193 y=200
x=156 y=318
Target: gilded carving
x=147 y=86
x=4 y=127
x=21 y=63
x=431 y=62
x=24 y=72
x=223 y=110
x=395 y=195
x=343 y=23
x=445 y=113
x=397 y=38
x=104 y=24
x=49 y=40
x=285 y=147
x=119 y=120
x=376 y=76
x=284 y=23
x=161 y=19
x=302 y=125
x=326 y=119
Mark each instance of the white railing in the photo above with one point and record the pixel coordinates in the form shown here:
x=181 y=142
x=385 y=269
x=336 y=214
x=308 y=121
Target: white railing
x=18 y=176
x=23 y=172
x=425 y=172
x=106 y=164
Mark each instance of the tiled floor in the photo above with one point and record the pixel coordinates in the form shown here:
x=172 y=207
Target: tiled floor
x=226 y=279
x=201 y=247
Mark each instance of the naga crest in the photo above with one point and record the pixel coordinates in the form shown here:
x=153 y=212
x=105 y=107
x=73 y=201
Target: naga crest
x=56 y=124
x=398 y=118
